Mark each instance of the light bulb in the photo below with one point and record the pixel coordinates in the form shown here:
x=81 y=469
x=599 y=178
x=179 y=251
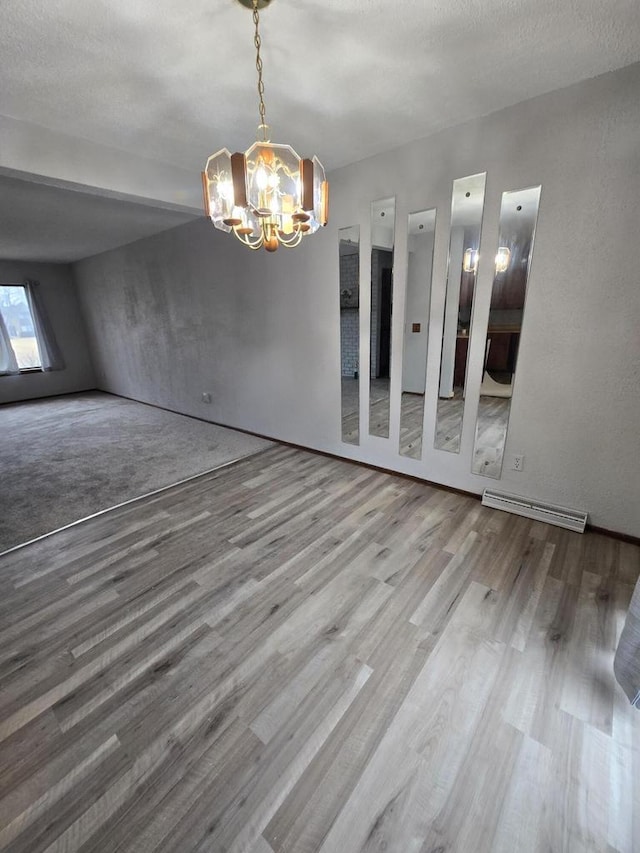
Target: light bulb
x=261 y=179
x=502 y=259
x=225 y=190
x=470 y=260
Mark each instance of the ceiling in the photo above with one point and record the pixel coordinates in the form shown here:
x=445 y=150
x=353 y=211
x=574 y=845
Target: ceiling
x=350 y=79
x=43 y=223
x=345 y=79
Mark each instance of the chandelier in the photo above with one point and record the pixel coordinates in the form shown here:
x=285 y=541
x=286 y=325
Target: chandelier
x=267 y=196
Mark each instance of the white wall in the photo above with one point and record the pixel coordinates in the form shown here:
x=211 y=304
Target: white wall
x=61 y=303
x=191 y=310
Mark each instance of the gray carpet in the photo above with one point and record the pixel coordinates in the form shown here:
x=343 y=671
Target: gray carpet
x=64 y=458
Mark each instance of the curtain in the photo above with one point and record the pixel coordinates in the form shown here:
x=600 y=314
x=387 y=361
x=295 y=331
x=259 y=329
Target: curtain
x=50 y=354
x=8 y=361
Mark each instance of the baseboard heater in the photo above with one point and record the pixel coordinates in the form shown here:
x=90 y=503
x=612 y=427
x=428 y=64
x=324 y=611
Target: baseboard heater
x=570 y=518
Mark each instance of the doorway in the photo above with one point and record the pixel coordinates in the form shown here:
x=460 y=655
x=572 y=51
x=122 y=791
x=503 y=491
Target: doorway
x=384 y=340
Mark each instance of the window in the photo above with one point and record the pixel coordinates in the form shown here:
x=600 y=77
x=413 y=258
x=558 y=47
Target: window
x=20 y=326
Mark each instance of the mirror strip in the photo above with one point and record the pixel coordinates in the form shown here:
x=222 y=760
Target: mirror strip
x=382 y=247
x=421 y=228
x=467 y=207
x=349 y=294
x=512 y=263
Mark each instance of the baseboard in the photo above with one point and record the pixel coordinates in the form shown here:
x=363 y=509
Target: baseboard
x=326 y=453
x=53 y=396
x=613 y=534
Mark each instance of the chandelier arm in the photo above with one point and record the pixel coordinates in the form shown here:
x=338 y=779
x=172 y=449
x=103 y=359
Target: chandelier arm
x=296 y=236
x=244 y=239
x=253 y=246
x=291 y=244
x=258 y=42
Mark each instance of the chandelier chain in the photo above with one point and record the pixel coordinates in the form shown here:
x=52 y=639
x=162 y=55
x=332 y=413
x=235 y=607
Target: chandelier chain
x=258 y=42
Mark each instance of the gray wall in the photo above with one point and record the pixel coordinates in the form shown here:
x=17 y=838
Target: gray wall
x=61 y=302
x=190 y=310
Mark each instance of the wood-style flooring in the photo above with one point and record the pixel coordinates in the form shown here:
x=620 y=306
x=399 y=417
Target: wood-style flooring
x=300 y=654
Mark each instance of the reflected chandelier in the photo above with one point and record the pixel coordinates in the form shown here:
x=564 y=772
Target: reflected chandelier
x=267 y=196
x=470 y=259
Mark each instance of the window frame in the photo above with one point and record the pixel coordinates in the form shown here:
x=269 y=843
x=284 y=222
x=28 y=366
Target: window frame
x=25 y=370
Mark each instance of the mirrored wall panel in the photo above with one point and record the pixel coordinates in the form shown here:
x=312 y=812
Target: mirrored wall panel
x=518 y=216
x=383 y=217
x=421 y=229
x=349 y=249
x=467 y=205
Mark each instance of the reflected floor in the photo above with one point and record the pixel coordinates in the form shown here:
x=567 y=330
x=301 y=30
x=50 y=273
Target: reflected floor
x=491 y=431
x=411 y=417
x=379 y=415
x=449 y=423
x=491 y=428
x=491 y=436
x=379 y=408
x=350 y=410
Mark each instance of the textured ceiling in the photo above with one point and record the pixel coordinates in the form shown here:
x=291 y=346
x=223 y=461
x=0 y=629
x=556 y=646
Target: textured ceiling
x=43 y=223
x=345 y=80
x=174 y=81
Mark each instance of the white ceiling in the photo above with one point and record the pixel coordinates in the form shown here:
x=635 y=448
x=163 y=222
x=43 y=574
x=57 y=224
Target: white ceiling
x=43 y=223
x=344 y=78
x=174 y=80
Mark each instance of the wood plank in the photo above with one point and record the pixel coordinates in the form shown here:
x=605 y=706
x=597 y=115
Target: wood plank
x=295 y=654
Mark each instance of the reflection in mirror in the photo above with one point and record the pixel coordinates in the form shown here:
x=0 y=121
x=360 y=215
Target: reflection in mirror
x=349 y=249
x=518 y=215
x=420 y=234
x=382 y=238
x=467 y=205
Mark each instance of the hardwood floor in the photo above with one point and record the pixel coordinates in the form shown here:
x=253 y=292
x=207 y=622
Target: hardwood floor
x=299 y=654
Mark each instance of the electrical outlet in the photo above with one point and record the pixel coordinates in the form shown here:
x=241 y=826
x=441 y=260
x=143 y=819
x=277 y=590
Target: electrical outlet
x=206 y=397
x=518 y=462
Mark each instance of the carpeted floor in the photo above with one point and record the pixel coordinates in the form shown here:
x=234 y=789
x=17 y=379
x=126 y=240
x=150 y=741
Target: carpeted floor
x=64 y=458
